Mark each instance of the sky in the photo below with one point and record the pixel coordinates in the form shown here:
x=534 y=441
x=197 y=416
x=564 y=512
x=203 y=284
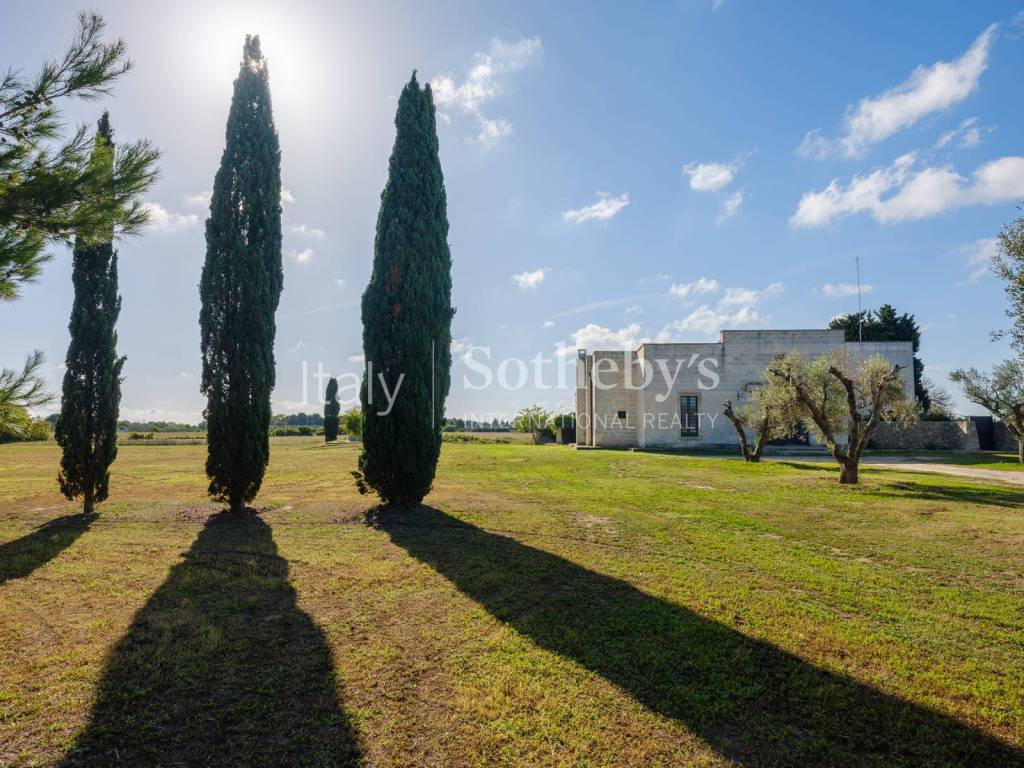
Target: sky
x=614 y=175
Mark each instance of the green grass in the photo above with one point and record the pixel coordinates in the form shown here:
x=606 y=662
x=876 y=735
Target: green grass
x=545 y=607
x=980 y=460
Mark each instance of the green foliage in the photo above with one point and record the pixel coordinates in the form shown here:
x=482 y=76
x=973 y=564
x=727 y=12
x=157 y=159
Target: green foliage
x=300 y=431
x=1009 y=267
x=841 y=400
x=940 y=406
x=51 y=192
x=352 y=422
x=407 y=313
x=158 y=426
x=240 y=289
x=91 y=392
x=331 y=410
x=1001 y=393
x=296 y=419
x=887 y=325
x=19 y=391
x=26 y=429
x=535 y=420
x=564 y=421
x=768 y=412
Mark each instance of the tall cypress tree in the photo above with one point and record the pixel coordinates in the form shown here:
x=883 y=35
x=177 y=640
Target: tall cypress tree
x=407 y=313
x=331 y=410
x=240 y=289
x=91 y=392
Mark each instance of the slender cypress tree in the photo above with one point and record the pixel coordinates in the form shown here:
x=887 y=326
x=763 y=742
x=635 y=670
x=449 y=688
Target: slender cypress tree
x=240 y=289
x=407 y=313
x=331 y=410
x=91 y=392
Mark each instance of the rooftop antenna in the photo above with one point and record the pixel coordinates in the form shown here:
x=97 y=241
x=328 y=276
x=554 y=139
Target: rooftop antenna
x=860 y=311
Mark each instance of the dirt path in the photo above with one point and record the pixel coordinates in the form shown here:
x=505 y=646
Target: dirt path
x=910 y=464
x=997 y=475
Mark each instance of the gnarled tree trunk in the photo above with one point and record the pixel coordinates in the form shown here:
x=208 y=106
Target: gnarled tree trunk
x=849 y=471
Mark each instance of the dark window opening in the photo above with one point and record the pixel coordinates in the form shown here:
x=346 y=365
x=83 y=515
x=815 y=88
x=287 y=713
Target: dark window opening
x=621 y=414
x=689 y=416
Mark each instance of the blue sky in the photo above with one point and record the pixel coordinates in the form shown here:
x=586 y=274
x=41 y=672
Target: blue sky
x=613 y=175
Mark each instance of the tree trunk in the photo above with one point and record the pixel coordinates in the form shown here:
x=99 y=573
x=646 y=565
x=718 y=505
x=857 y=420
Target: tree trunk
x=1020 y=451
x=237 y=506
x=848 y=470
x=88 y=503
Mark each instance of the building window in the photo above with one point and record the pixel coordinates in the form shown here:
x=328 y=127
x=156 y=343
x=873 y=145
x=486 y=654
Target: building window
x=689 y=415
x=621 y=415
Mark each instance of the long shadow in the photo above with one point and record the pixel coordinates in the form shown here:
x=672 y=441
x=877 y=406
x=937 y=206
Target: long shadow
x=750 y=701
x=20 y=557
x=220 y=668
x=975 y=494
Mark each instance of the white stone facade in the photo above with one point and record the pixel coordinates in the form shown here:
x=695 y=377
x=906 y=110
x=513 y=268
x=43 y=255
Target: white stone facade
x=636 y=399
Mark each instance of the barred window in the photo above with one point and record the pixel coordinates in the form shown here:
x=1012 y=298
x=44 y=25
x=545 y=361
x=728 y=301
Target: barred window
x=689 y=415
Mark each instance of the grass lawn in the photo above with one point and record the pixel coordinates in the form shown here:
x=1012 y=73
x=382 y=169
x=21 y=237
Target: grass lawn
x=545 y=608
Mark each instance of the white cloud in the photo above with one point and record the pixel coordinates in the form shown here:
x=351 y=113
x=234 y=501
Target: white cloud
x=528 y=281
x=978 y=257
x=605 y=208
x=163 y=220
x=301 y=257
x=340 y=282
x=748 y=296
x=594 y=336
x=709 y=321
x=968 y=134
x=736 y=309
x=926 y=90
x=185 y=375
x=912 y=194
x=200 y=199
x=634 y=309
x=492 y=131
x=357 y=358
x=843 y=290
x=710 y=177
x=702 y=285
x=484 y=83
x=730 y=207
x=310 y=232
x=287 y=197
x=549 y=324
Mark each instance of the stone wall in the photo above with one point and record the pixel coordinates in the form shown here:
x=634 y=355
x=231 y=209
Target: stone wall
x=926 y=436
x=1002 y=438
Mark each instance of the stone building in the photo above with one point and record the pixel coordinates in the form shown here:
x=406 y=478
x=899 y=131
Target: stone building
x=671 y=395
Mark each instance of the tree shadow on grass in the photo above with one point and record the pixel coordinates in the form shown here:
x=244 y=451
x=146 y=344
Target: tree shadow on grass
x=20 y=557
x=957 y=493
x=750 y=701
x=220 y=668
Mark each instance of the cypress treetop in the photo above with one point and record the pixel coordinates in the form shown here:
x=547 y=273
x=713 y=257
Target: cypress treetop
x=240 y=289
x=91 y=391
x=407 y=313
x=332 y=408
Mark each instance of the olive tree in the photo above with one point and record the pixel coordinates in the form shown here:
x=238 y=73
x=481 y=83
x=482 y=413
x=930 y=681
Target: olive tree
x=844 y=400
x=767 y=412
x=1001 y=392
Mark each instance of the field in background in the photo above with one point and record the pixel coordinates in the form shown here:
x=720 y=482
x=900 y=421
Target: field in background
x=547 y=607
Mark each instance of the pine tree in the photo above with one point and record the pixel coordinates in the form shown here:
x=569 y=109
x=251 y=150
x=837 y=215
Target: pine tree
x=407 y=313
x=331 y=410
x=240 y=289
x=91 y=394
